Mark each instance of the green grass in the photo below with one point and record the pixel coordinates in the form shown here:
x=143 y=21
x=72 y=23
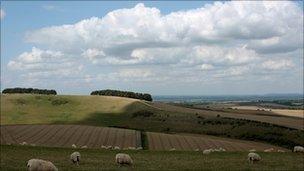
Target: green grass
x=16 y=157
x=49 y=109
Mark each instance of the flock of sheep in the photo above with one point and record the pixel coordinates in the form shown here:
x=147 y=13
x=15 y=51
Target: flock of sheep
x=125 y=159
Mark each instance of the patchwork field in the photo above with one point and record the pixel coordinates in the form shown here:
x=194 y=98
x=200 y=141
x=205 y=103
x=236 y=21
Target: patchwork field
x=66 y=135
x=160 y=141
x=262 y=116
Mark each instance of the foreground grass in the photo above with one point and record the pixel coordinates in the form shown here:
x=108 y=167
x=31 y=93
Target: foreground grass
x=16 y=157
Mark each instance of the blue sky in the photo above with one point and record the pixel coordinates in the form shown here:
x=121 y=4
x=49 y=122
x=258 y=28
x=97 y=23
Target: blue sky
x=174 y=48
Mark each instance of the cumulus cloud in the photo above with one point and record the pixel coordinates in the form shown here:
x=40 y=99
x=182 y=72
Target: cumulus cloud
x=45 y=63
x=2 y=14
x=281 y=64
x=223 y=39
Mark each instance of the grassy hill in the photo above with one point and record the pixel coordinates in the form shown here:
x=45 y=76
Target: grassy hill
x=16 y=158
x=47 y=109
x=140 y=115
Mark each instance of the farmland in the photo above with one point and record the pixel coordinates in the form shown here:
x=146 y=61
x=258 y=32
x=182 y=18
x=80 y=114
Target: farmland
x=261 y=116
x=92 y=159
x=66 y=135
x=152 y=117
x=161 y=141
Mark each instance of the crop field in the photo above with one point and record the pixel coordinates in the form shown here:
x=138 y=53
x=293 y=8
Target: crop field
x=284 y=112
x=161 y=141
x=66 y=135
x=262 y=116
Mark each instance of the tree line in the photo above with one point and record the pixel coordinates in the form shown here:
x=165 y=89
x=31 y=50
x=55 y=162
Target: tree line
x=129 y=94
x=29 y=91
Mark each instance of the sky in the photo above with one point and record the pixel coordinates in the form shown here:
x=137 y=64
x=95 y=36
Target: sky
x=162 y=48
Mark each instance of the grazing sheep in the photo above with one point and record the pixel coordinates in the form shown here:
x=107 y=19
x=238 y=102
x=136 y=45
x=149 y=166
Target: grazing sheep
x=139 y=148
x=281 y=151
x=116 y=148
x=252 y=157
x=109 y=147
x=131 y=148
x=252 y=150
x=208 y=151
x=84 y=146
x=104 y=147
x=196 y=149
x=74 y=146
x=122 y=159
x=172 y=149
x=40 y=165
x=299 y=149
x=23 y=143
x=75 y=157
x=222 y=149
x=269 y=150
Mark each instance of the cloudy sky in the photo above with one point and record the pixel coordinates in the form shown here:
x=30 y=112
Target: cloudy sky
x=163 y=48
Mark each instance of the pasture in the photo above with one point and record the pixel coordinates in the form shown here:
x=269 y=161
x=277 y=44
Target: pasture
x=16 y=157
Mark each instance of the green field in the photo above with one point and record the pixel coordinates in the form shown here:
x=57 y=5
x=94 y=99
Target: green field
x=16 y=158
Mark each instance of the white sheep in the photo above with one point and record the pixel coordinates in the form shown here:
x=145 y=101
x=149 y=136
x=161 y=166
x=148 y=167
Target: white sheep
x=74 y=146
x=116 y=148
x=252 y=150
x=84 y=146
x=269 y=150
x=104 y=147
x=208 y=151
x=196 y=149
x=281 y=151
x=172 y=149
x=131 y=148
x=75 y=157
x=139 y=148
x=23 y=143
x=252 y=157
x=299 y=149
x=40 y=165
x=222 y=149
x=122 y=158
x=109 y=147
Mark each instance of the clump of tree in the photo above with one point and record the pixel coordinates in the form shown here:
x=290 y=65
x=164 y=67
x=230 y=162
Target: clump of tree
x=28 y=91
x=129 y=94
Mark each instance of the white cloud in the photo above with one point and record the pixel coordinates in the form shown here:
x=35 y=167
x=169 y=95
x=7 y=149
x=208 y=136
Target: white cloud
x=234 y=40
x=207 y=67
x=45 y=63
x=281 y=64
x=2 y=13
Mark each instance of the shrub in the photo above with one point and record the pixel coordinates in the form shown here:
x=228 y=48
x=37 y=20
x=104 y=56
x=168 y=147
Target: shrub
x=28 y=91
x=143 y=113
x=129 y=94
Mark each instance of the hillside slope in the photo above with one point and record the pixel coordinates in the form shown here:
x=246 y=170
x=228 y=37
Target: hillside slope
x=47 y=109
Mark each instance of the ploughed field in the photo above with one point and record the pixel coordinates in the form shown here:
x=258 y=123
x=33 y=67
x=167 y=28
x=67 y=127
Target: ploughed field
x=161 y=141
x=66 y=135
x=95 y=137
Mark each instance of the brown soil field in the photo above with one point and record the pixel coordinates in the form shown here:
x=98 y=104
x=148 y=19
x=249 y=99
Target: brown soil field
x=66 y=135
x=287 y=121
x=189 y=142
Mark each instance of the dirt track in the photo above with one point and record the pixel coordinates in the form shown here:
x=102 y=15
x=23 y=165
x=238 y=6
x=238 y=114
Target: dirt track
x=66 y=135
